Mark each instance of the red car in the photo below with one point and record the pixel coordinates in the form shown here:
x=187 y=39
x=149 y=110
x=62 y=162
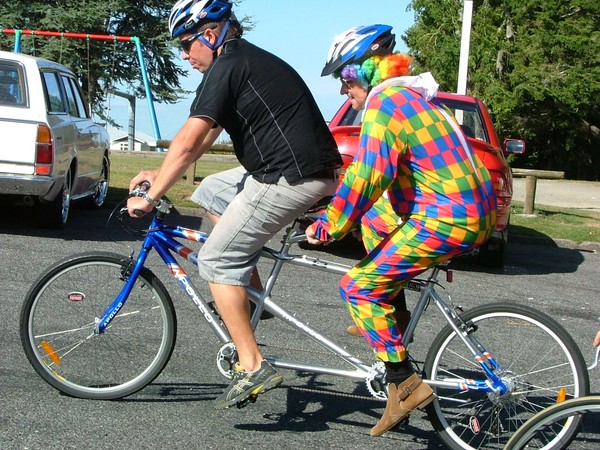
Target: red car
x=475 y=121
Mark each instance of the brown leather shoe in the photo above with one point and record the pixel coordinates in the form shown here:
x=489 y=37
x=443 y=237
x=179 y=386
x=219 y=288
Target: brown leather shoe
x=402 y=319
x=402 y=399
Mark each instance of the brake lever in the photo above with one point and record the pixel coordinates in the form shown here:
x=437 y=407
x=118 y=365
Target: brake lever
x=137 y=212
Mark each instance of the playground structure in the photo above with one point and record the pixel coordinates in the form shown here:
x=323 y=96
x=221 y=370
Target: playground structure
x=103 y=37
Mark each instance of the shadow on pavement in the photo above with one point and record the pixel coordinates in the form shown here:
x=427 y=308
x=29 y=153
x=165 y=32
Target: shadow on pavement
x=88 y=224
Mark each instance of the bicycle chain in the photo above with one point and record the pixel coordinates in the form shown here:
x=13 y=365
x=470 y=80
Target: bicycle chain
x=320 y=391
x=418 y=363
x=333 y=393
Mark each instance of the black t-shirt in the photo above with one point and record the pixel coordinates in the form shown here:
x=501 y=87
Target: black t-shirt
x=266 y=108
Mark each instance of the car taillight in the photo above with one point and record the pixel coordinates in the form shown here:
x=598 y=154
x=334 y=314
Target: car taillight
x=44 y=151
x=503 y=192
x=502 y=187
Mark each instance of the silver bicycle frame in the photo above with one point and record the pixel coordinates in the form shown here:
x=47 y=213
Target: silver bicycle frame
x=263 y=301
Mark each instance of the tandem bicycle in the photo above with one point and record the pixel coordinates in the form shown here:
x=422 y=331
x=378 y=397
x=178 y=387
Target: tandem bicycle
x=101 y=325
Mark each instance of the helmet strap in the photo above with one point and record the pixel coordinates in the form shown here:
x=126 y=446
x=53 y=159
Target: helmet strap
x=222 y=35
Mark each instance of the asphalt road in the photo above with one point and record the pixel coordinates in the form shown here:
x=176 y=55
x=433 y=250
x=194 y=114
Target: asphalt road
x=176 y=410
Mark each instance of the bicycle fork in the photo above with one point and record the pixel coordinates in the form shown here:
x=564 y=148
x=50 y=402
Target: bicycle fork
x=131 y=275
x=465 y=331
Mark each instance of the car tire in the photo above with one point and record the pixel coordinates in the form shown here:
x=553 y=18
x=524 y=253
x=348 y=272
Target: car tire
x=101 y=189
x=54 y=214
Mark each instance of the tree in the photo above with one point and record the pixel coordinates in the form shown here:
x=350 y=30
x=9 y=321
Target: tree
x=534 y=62
x=101 y=65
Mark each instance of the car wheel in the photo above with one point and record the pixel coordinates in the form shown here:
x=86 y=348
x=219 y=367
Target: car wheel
x=101 y=188
x=54 y=214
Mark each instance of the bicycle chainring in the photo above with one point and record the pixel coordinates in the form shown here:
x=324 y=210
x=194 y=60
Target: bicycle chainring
x=226 y=359
x=376 y=381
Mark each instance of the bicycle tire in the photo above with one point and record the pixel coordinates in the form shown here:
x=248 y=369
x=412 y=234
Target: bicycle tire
x=537 y=356
x=534 y=433
x=58 y=319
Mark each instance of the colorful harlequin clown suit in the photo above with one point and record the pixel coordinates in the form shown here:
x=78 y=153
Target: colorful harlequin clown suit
x=421 y=194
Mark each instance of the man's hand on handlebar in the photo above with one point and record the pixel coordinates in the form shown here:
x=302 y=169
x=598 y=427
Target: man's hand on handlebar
x=138 y=207
x=144 y=175
x=137 y=204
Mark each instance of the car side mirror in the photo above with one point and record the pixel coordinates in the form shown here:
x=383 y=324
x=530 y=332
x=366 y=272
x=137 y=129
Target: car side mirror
x=513 y=146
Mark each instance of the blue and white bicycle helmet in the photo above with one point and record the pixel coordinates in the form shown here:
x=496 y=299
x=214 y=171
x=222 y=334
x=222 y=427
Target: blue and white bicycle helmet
x=186 y=15
x=358 y=44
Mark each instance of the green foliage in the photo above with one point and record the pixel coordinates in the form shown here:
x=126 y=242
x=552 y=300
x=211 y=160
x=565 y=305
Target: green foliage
x=101 y=65
x=534 y=62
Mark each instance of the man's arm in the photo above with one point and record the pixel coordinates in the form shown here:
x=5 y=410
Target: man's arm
x=195 y=137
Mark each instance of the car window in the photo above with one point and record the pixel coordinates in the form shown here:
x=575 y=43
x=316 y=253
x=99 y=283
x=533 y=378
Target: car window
x=53 y=92
x=71 y=103
x=468 y=117
x=466 y=114
x=78 y=99
x=12 y=84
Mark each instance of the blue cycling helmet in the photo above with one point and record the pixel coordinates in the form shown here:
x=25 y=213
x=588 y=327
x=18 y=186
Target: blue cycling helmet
x=186 y=15
x=358 y=44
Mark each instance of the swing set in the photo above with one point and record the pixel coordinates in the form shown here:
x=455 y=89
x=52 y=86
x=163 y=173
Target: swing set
x=101 y=37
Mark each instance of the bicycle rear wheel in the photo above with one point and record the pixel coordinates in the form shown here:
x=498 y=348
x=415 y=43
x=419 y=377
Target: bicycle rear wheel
x=549 y=422
x=539 y=361
x=58 y=320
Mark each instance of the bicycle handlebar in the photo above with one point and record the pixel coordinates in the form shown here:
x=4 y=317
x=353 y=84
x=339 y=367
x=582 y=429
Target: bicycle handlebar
x=163 y=206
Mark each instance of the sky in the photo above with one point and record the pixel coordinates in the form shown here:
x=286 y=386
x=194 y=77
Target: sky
x=299 y=32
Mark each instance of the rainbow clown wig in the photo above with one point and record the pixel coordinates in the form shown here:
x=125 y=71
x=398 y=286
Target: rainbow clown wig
x=376 y=69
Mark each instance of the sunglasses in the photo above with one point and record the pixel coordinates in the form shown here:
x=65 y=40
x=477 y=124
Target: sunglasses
x=347 y=82
x=186 y=44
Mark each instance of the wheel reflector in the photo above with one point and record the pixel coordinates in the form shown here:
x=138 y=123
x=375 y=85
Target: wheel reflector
x=51 y=352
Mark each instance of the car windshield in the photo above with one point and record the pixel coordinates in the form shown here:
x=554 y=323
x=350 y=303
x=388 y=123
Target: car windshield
x=467 y=115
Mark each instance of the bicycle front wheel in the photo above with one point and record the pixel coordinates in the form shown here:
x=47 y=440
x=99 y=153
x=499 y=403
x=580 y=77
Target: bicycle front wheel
x=549 y=422
x=57 y=327
x=539 y=362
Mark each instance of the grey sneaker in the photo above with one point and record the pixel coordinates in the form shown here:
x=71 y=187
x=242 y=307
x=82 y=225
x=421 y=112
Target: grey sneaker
x=245 y=386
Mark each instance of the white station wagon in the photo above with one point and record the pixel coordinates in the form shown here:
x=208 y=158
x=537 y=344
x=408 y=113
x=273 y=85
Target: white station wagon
x=51 y=151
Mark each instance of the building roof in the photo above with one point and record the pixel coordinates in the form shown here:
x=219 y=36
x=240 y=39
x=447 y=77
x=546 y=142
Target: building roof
x=117 y=135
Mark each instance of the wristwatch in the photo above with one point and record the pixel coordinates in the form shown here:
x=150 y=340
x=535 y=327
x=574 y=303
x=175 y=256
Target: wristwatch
x=150 y=200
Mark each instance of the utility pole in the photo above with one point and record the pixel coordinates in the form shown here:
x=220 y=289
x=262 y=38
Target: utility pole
x=131 y=124
x=463 y=64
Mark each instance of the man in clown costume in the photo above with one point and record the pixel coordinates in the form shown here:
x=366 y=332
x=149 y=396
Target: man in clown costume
x=415 y=183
